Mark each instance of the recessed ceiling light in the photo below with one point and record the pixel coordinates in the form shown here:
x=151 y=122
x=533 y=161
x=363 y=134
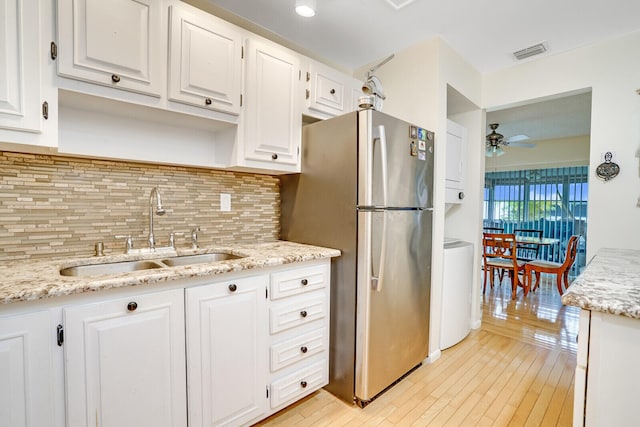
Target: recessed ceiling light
x=306 y=8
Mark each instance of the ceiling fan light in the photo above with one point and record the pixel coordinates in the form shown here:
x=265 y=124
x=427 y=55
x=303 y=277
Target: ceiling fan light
x=306 y=8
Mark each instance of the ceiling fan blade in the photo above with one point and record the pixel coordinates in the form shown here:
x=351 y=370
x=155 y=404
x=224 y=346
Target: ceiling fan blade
x=517 y=138
x=522 y=144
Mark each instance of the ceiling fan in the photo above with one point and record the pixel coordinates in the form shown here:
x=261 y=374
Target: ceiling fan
x=495 y=142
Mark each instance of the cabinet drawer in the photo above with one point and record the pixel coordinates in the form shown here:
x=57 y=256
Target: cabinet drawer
x=298 y=384
x=299 y=312
x=293 y=282
x=299 y=348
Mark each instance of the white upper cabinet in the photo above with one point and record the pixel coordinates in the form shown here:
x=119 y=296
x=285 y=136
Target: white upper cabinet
x=205 y=60
x=273 y=123
x=20 y=75
x=329 y=92
x=25 y=103
x=115 y=43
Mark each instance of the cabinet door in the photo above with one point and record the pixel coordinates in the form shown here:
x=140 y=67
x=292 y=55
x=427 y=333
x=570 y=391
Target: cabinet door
x=205 y=61
x=26 y=377
x=455 y=166
x=227 y=352
x=273 y=124
x=20 y=103
x=117 y=43
x=328 y=91
x=125 y=362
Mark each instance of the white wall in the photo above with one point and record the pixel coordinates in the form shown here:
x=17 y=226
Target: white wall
x=612 y=70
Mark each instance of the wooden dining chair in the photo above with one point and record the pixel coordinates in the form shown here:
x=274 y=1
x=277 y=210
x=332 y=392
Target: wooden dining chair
x=500 y=252
x=528 y=251
x=499 y=271
x=561 y=270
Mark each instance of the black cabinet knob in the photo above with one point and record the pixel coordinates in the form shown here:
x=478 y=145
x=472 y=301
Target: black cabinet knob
x=303 y=313
x=132 y=306
x=332 y=91
x=461 y=195
x=303 y=384
x=304 y=282
x=304 y=349
x=115 y=78
x=274 y=156
x=207 y=101
x=233 y=287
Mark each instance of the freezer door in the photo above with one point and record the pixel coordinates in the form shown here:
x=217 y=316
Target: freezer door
x=394 y=276
x=395 y=165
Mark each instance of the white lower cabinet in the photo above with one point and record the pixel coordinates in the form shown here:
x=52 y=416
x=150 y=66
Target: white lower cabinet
x=26 y=377
x=607 y=370
x=225 y=350
x=226 y=342
x=125 y=362
x=298 y=333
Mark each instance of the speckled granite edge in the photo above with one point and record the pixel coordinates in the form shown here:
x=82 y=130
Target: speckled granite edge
x=609 y=284
x=27 y=281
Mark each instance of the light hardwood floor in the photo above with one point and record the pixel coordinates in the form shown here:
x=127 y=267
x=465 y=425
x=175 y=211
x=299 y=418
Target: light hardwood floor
x=516 y=370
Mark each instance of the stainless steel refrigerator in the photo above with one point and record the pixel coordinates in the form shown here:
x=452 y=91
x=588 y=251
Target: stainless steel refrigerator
x=366 y=189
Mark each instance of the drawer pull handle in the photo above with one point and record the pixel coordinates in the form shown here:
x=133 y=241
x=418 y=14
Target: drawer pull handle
x=303 y=349
x=115 y=78
x=303 y=384
x=207 y=101
x=274 y=156
x=132 y=306
x=304 y=282
x=303 y=313
x=233 y=287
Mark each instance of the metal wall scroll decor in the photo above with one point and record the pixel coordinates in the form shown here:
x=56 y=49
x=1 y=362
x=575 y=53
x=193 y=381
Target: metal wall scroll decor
x=608 y=169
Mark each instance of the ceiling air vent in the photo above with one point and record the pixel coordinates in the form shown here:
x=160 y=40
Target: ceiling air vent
x=399 y=4
x=530 y=51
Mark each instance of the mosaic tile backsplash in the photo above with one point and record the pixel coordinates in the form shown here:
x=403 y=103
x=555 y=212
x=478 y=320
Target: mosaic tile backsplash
x=56 y=207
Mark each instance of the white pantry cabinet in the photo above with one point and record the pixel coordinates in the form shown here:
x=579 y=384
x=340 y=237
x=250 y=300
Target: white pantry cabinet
x=272 y=117
x=116 y=43
x=26 y=376
x=226 y=342
x=455 y=162
x=125 y=361
x=205 y=60
x=26 y=99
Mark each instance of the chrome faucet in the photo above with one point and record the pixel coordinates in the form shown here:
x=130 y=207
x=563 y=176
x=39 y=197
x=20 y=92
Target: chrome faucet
x=154 y=196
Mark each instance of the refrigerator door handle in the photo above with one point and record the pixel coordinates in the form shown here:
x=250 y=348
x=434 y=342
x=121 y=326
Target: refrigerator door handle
x=376 y=281
x=383 y=160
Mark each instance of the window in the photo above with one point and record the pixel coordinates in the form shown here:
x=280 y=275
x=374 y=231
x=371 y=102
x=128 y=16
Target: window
x=552 y=200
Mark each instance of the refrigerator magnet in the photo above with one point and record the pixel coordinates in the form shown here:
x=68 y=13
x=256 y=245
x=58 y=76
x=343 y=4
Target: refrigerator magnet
x=414 y=149
x=422 y=134
x=422 y=155
x=413 y=132
x=422 y=145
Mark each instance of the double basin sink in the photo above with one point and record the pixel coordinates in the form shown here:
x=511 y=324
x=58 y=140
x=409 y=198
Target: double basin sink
x=148 y=264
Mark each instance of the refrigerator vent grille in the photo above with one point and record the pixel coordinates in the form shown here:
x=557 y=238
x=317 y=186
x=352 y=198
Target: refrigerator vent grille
x=399 y=4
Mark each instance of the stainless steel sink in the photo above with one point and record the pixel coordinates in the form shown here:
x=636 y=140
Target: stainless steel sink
x=199 y=259
x=109 y=268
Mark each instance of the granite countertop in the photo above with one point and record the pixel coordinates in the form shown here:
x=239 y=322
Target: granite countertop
x=610 y=284
x=33 y=280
